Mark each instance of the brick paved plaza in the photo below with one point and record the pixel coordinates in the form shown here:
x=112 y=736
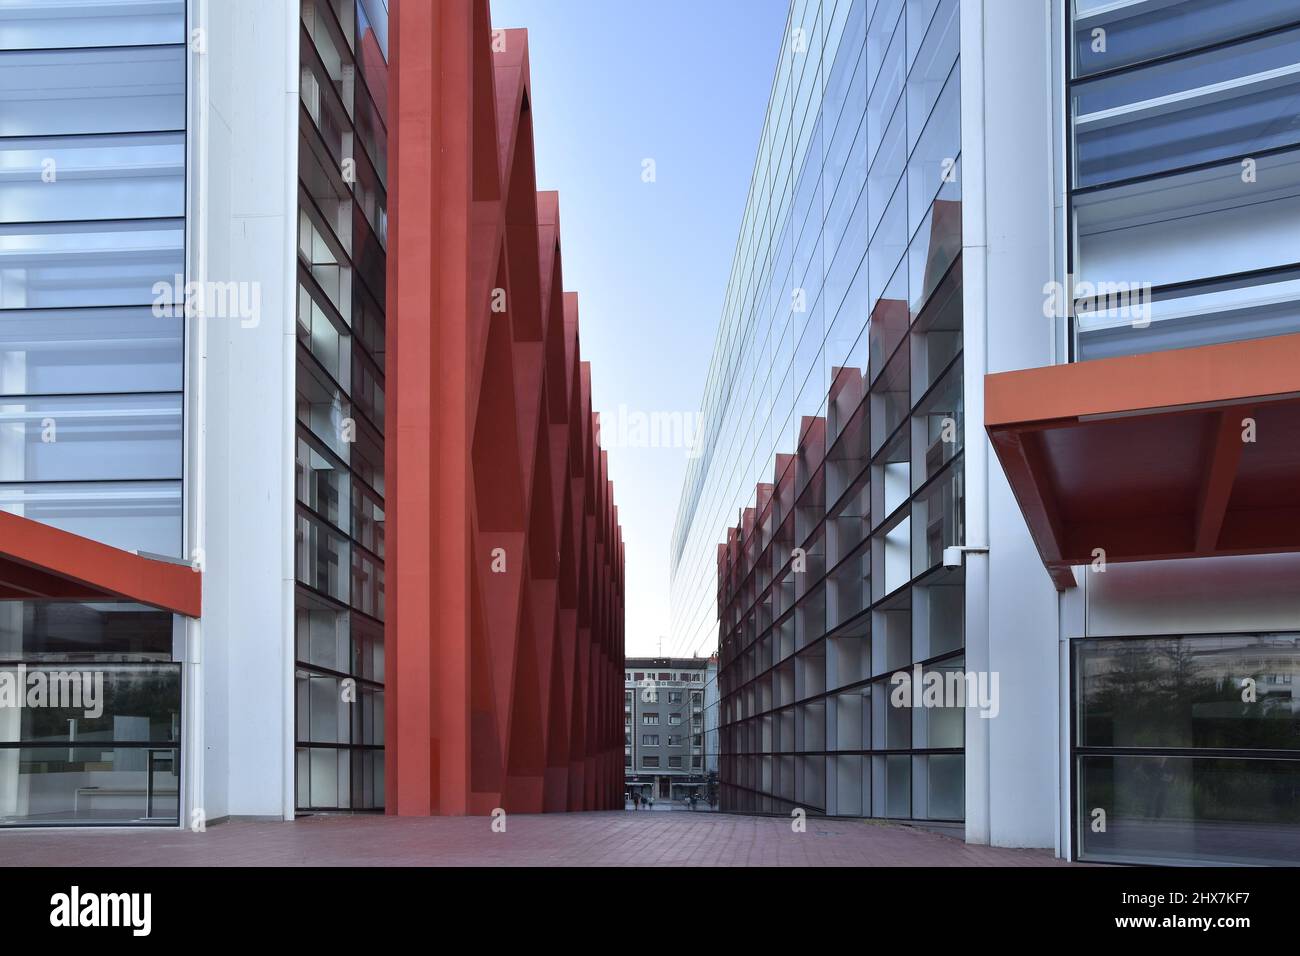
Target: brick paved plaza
x=678 y=838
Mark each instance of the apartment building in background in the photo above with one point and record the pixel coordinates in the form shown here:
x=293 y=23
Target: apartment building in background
x=198 y=392
x=663 y=727
x=1003 y=390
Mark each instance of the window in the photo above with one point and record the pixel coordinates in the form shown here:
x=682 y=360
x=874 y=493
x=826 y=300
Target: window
x=649 y=740
x=627 y=739
x=88 y=262
x=80 y=91
x=674 y=697
x=627 y=761
x=650 y=719
x=650 y=761
x=1161 y=208
x=92 y=24
x=674 y=718
x=130 y=771
x=340 y=338
x=696 y=762
x=675 y=761
x=1187 y=767
x=674 y=740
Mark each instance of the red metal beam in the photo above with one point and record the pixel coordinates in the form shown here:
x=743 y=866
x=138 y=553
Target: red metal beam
x=1230 y=373
x=31 y=551
x=1225 y=454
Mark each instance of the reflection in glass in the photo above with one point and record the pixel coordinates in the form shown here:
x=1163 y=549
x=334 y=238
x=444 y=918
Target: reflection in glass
x=1176 y=809
x=1188 y=692
x=100 y=746
x=89 y=351
x=109 y=90
x=131 y=515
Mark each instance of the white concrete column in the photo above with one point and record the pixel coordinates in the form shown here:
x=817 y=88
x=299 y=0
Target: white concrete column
x=1008 y=255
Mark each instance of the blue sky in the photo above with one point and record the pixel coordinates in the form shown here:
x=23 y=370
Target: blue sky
x=684 y=83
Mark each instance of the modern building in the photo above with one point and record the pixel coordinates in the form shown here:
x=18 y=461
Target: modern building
x=202 y=437
x=510 y=552
x=663 y=726
x=990 y=521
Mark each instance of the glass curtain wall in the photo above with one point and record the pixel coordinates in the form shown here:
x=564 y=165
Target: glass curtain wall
x=1185 y=749
x=342 y=239
x=1184 y=173
x=809 y=538
x=90 y=715
x=92 y=265
x=92 y=253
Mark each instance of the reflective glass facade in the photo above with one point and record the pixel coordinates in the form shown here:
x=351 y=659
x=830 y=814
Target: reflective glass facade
x=342 y=243
x=1185 y=749
x=1184 y=172
x=111 y=752
x=92 y=266
x=92 y=243
x=808 y=544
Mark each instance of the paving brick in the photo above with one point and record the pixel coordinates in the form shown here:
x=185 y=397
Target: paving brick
x=610 y=838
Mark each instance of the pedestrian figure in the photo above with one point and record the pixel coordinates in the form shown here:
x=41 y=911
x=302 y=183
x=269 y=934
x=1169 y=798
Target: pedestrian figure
x=636 y=800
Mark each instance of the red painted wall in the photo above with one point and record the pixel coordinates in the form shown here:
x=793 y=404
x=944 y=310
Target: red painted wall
x=504 y=639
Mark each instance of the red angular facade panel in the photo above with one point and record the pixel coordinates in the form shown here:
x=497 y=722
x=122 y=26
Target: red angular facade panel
x=505 y=629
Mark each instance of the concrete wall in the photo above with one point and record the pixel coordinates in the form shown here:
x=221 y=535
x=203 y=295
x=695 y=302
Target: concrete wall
x=1009 y=253
x=244 y=99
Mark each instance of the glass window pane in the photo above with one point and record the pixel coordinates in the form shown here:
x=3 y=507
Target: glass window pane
x=898 y=785
x=114 y=90
x=1134 y=32
x=128 y=176
x=92 y=703
x=144 y=515
x=947 y=793
x=40 y=24
x=112 y=705
x=101 y=438
x=928 y=75
x=1184 y=809
x=36 y=631
x=1215 y=105
x=60 y=786
x=48 y=352
x=1187 y=692
x=1187 y=318
x=90 y=264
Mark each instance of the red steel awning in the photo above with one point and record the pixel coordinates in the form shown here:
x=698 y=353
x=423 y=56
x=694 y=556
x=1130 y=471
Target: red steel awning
x=1150 y=457
x=38 y=562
